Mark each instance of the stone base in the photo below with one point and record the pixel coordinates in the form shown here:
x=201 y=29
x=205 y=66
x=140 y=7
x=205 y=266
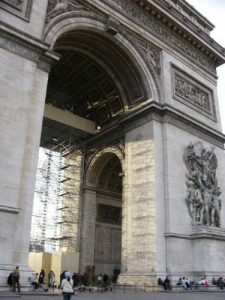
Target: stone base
x=145 y=281
x=26 y=274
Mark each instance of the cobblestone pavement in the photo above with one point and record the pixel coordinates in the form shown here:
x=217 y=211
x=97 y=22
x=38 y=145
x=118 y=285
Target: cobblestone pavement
x=120 y=295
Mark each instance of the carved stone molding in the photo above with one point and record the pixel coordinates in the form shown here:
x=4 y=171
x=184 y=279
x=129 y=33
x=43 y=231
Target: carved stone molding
x=112 y=26
x=203 y=194
x=70 y=15
x=193 y=94
x=20 y=8
x=28 y=48
x=94 y=153
x=168 y=35
x=18 y=47
x=164 y=113
x=200 y=232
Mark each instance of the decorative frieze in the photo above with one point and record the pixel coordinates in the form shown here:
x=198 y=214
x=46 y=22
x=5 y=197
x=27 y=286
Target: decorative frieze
x=17 y=47
x=193 y=94
x=167 y=34
x=20 y=8
x=203 y=194
x=29 y=49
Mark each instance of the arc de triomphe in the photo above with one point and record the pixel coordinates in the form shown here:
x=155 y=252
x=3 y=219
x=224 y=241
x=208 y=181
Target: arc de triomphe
x=139 y=77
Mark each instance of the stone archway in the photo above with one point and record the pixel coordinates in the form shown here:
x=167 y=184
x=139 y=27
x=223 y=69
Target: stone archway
x=102 y=213
x=99 y=77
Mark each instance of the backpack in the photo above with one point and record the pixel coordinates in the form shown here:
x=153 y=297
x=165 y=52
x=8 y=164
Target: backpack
x=10 y=279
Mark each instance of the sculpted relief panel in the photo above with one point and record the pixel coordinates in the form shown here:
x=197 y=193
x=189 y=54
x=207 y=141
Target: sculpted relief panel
x=20 y=8
x=193 y=94
x=203 y=194
x=57 y=7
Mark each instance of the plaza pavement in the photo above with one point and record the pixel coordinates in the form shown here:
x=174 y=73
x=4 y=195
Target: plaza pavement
x=118 y=295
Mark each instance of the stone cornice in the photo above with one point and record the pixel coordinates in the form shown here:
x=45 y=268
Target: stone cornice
x=200 y=232
x=26 y=46
x=191 y=31
x=165 y=113
x=162 y=113
x=206 y=53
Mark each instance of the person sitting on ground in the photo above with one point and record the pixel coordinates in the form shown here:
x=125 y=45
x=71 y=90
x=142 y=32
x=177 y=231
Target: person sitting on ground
x=204 y=282
x=166 y=283
x=183 y=283
x=187 y=284
x=194 y=284
x=160 y=281
x=220 y=283
x=34 y=281
x=214 y=281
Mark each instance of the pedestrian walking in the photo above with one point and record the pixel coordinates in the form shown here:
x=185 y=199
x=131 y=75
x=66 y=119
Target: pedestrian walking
x=67 y=287
x=16 y=279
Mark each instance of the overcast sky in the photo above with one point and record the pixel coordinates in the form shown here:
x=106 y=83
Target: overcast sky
x=214 y=11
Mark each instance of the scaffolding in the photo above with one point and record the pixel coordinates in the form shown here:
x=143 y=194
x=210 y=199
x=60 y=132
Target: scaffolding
x=56 y=210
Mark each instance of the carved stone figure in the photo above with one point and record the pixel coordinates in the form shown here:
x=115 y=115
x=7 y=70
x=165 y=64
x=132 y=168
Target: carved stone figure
x=59 y=8
x=202 y=197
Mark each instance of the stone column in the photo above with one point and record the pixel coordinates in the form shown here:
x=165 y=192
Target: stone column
x=23 y=90
x=88 y=229
x=139 y=209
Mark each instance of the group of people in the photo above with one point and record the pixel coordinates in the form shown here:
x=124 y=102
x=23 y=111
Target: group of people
x=189 y=284
x=220 y=282
x=39 y=280
x=165 y=283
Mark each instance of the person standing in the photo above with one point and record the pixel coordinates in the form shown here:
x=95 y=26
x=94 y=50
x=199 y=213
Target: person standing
x=51 y=279
x=16 y=279
x=67 y=287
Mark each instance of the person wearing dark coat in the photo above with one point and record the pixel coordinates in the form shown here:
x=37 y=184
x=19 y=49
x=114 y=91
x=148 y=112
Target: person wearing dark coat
x=166 y=283
x=41 y=278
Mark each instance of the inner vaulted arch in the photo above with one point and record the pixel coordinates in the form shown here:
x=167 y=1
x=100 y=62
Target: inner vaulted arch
x=103 y=201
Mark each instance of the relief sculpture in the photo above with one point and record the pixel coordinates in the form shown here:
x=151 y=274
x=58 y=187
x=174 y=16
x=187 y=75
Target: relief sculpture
x=203 y=194
x=192 y=93
x=58 y=7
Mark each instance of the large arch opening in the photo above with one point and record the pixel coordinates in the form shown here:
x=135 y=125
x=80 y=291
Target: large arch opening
x=93 y=85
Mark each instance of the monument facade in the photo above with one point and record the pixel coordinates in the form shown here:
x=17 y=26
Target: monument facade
x=135 y=81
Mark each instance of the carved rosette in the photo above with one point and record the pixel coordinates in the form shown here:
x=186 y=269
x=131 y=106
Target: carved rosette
x=203 y=194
